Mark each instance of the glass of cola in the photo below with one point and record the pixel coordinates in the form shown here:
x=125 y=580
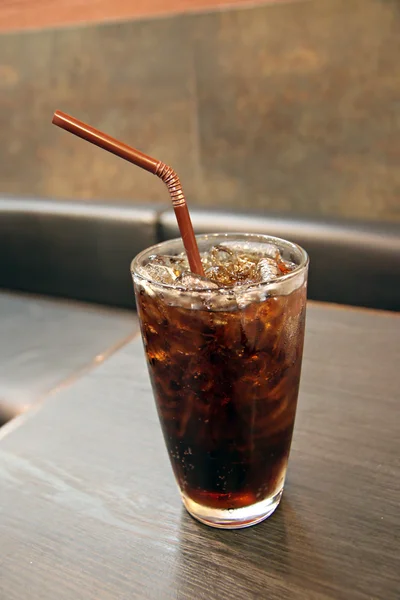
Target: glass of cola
x=224 y=355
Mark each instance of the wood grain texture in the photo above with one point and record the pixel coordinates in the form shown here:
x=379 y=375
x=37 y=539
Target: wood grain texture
x=44 y=342
x=23 y=14
x=90 y=509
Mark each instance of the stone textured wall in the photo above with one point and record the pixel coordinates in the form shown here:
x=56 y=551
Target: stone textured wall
x=293 y=107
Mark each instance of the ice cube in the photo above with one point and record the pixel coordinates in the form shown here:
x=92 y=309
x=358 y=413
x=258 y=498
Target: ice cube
x=160 y=273
x=190 y=281
x=220 y=254
x=255 y=249
x=268 y=269
x=271 y=251
x=220 y=274
x=166 y=268
x=178 y=262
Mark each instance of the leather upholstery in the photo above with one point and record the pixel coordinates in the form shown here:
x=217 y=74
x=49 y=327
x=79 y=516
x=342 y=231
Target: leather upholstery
x=83 y=251
x=73 y=249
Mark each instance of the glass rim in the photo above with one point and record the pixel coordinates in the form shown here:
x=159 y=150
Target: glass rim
x=301 y=267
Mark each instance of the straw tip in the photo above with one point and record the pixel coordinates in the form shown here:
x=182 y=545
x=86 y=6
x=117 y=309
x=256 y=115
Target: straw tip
x=57 y=116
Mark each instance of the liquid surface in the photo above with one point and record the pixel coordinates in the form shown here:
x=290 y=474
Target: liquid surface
x=225 y=265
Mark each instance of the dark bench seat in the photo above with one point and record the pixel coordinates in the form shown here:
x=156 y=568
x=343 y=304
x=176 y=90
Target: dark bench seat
x=83 y=251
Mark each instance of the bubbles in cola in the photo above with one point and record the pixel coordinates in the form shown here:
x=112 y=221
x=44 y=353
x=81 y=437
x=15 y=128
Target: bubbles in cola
x=225 y=376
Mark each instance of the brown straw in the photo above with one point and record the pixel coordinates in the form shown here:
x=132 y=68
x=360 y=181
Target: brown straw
x=168 y=176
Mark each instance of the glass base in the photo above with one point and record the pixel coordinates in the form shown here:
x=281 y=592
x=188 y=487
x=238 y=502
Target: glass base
x=233 y=518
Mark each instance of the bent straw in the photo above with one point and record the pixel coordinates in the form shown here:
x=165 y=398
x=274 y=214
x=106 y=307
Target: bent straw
x=165 y=173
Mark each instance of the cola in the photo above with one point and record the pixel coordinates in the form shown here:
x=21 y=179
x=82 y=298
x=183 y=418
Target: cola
x=224 y=355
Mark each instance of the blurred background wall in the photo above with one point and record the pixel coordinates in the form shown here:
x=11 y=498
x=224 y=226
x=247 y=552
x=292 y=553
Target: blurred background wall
x=290 y=107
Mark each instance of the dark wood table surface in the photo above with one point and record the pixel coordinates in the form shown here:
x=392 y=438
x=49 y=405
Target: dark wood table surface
x=46 y=342
x=89 y=508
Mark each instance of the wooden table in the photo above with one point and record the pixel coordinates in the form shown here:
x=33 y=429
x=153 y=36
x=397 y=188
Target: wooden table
x=46 y=343
x=89 y=507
